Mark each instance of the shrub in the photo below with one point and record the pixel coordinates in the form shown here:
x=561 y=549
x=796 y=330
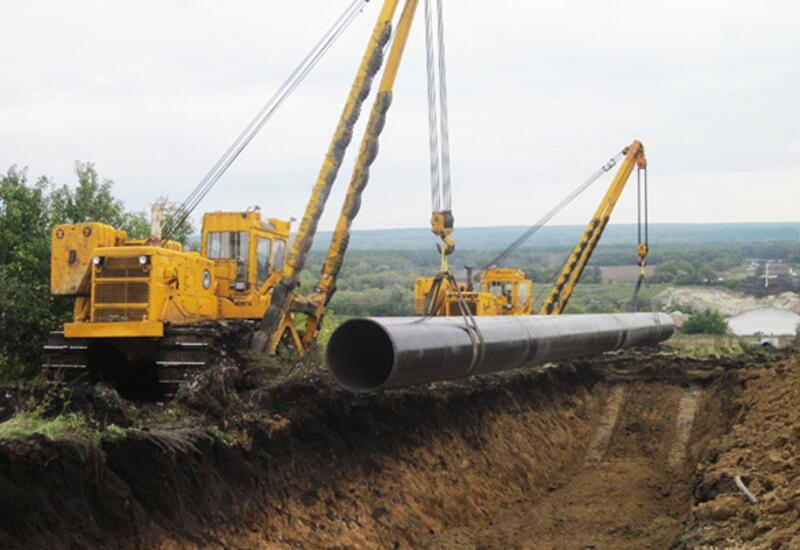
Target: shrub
x=707 y=322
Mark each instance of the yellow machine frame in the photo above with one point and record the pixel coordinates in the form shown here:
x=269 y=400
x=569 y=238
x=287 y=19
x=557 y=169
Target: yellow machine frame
x=486 y=301
x=569 y=276
x=502 y=291
x=131 y=288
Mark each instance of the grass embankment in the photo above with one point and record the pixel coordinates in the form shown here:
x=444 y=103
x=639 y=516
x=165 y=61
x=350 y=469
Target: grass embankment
x=61 y=414
x=602 y=297
x=70 y=427
x=705 y=346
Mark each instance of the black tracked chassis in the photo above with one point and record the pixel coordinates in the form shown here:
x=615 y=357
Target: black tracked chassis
x=145 y=366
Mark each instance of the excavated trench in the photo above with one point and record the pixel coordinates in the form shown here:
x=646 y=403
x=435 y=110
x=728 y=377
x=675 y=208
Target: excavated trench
x=591 y=454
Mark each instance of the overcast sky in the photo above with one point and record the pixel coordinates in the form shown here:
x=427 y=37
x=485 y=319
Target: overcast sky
x=541 y=94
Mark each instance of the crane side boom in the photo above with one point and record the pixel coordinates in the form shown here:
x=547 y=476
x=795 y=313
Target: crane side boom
x=569 y=276
x=277 y=318
x=316 y=304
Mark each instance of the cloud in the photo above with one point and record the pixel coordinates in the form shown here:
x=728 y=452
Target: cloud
x=541 y=94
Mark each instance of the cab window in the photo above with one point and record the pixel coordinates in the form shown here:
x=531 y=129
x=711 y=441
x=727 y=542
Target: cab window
x=227 y=245
x=278 y=256
x=499 y=288
x=522 y=293
x=262 y=254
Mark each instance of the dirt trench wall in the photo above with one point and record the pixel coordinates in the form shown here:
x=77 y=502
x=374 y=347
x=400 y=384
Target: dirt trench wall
x=312 y=466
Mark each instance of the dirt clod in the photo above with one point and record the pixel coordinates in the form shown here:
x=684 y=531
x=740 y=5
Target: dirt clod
x=723 y=507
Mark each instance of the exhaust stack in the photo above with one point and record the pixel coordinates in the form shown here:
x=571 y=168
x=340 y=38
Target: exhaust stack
x=368 y=354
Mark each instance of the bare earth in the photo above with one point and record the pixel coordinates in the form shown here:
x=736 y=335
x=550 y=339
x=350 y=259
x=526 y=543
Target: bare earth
x=628 y=451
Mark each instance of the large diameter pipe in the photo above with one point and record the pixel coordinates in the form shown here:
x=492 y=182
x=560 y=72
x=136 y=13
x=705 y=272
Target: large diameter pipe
x=367 y=354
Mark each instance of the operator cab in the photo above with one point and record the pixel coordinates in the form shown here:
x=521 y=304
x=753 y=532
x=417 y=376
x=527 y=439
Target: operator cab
x=249 y=253
x=511 y=289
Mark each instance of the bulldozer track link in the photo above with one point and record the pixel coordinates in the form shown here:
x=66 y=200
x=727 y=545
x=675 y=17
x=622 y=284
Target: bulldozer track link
x=65 y=359
x=183 y=349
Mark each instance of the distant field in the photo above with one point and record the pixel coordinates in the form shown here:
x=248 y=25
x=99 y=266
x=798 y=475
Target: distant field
x=497 y=238
x=589 y=298
x=620 y=274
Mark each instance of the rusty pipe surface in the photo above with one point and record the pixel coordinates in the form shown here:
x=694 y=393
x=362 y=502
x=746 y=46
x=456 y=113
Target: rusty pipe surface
x=367 y=354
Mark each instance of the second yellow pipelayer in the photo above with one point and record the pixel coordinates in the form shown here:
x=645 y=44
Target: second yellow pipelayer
x=562 y=290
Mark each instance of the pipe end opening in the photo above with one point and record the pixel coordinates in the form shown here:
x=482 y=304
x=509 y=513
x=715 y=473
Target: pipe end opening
x=360 y=355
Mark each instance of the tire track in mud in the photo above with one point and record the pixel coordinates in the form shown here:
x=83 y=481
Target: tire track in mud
x=687 y=408
x=602 y=437
x=628 y=494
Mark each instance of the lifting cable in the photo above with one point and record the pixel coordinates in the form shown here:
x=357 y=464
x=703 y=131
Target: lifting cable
x=558 y=208
x=642 y=229
x=439 y=140
x=177 y=219
x=641 y=199
x=441 y=191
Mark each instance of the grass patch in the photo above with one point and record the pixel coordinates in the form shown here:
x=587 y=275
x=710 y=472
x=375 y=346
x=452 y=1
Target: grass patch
x=602 y=298
x=706 y=346
x=70 y=427
x=114 y=433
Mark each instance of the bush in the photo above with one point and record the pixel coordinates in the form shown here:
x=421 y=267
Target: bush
x=708 y=322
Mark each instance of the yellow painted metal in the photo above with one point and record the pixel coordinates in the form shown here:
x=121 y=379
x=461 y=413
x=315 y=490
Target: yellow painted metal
x=508 y=292
x=442 y=226
x=251 y=301
x=269 y=334
x=167 y=288
x=72 y=252
x=135 y=287
x=358 y=181
x=562 y=290
x=502 y=291
x=128 y=329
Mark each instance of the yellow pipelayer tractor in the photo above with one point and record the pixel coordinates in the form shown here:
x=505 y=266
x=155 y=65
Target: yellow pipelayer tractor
x=505 y=291
x=146 y=311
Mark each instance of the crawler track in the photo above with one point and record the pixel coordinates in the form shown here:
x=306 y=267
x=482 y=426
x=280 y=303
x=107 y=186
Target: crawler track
x=144 y=365
x=65 y=358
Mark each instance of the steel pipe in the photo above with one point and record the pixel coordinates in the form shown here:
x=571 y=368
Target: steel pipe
x=367 y=354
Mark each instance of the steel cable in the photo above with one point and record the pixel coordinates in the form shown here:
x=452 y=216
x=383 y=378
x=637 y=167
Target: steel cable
x=443 y=121
x=433 y=127
x=438 y=134
x=560 y=206
x=254 y=126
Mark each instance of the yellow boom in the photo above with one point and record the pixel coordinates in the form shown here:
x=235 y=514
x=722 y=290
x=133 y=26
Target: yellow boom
x=562 y=290
x=278 y=317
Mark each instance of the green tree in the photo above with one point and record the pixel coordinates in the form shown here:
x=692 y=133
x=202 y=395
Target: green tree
x=26 y=311
x=90 y=201
x=137 y=224
x=707 y=322
x=679 y=272
x=93 y=201
x=592 y=274
x=28 y=213
x=707 y=275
